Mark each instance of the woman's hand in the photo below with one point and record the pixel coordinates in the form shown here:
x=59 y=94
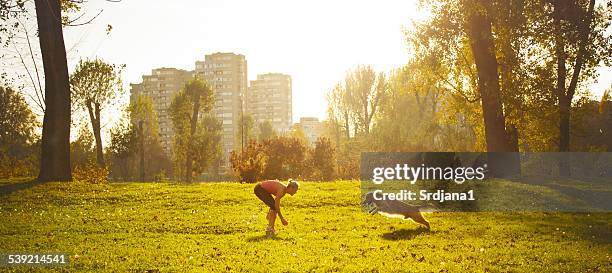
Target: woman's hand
x=284 y=221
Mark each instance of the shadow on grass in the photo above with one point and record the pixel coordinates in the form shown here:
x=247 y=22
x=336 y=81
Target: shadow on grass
x=7 y=189
x=405 y=234
x=592 y=191
x=268 y=238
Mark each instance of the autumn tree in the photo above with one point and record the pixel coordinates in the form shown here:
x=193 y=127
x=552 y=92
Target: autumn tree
x=192 y=102
x=352 y=107
x=95 y=86
x=420 y=113
x=353 y=103
x=338 y=112
x=459 y=28
x=250 y=164
x=142 y=113
x=123 y=150
x=266 y=130
x=482 y=43
x=17 y=134
x=543 y=51
x=297 y=132
x=207 y=144
x=581 y=42
x=364 y=89
x=487 y=46
x=332 y=127
x=592 y=126
x=82 y=149
x=285 y=158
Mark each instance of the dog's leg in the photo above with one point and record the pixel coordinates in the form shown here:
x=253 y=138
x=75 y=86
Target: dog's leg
x=417 y=217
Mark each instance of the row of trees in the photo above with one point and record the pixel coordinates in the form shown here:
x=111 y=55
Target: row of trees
x=513 y=47
x=248 y=130
x=498 y=76
x=485 y=75
x=51 y=17
x=94 y=86
x=135 y=151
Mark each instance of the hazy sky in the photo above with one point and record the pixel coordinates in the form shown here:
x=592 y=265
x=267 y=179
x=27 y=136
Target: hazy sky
x=314 y=41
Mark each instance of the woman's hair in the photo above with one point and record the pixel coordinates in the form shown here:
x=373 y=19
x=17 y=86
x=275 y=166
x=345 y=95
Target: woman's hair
x=293 y=183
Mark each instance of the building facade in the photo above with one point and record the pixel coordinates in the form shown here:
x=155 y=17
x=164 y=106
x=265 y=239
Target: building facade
x=269 y=98
x=312 y=128
x=227 y=75
x=161 y=86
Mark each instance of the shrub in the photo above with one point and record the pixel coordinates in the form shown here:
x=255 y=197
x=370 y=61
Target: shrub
x=90 y=173
x=323 y=160
x=348 y=168
x=286 y=158
x=249 y=165
x=11 y=167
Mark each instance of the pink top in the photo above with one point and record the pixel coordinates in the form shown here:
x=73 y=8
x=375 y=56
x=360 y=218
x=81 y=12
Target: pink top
x=271 y=186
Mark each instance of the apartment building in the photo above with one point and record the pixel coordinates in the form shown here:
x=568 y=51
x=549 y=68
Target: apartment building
x=227 y=75
x=312 y=128
x=269 y=98
x=161 y=86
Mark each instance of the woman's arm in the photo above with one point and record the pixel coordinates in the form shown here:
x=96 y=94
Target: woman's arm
x=279 y=195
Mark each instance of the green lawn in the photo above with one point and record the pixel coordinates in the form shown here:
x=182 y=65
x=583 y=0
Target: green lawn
x=154 y=227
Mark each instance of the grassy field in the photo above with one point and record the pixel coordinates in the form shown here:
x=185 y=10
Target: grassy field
x=154 y=227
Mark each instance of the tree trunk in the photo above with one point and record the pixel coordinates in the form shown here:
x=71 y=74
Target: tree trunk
x=337 y=125
x=564 y=125
x=514 y=166
x=564 y=96
x=481 y=41
x=94 y=117
x=419 y=104
x=194 y=123
x=347 y=126
x=366 y=115
x=500 y=161
x=142 y=153
x=564 y=136
x=55 y=148
x=560 y=92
